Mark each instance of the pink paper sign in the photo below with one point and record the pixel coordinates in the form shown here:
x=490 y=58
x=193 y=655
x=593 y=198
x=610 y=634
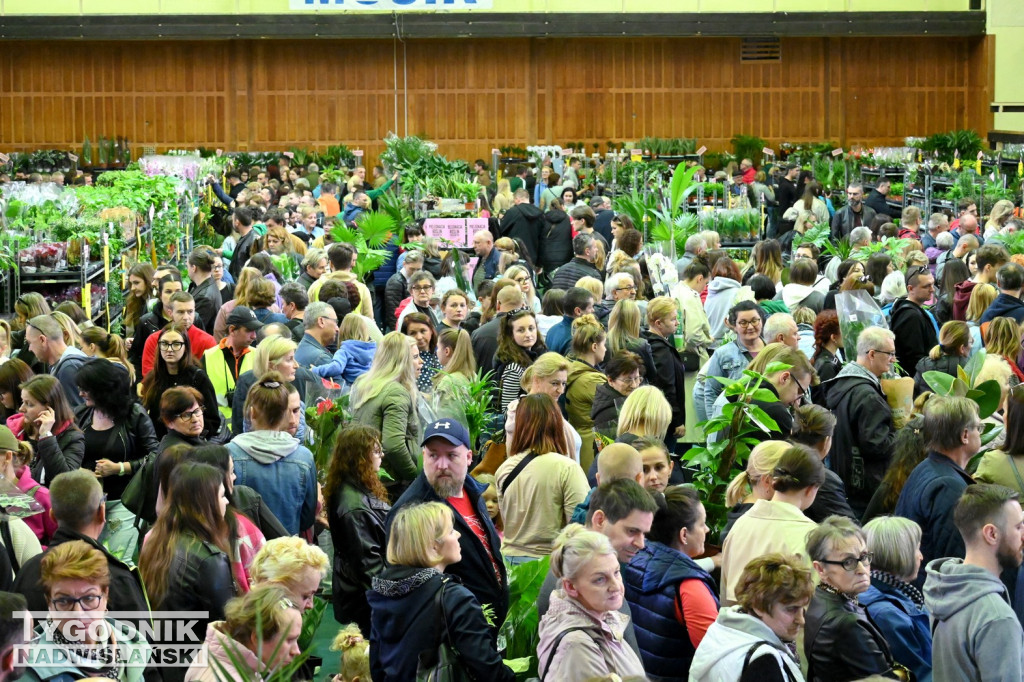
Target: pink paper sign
x=451 y=230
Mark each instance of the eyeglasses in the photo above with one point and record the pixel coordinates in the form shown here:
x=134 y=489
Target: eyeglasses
x=172 y=345
x=191 y=415
x=521 y=280
x=746 y=324
x=89 y=602
x=890 y=353
x=803 y=389
x=325 y=317
x=423 y=288
x=631 y=287
x=850 y=562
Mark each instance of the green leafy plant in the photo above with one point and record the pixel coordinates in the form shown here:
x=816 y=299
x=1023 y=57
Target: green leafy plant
x=402 y=153
x=945 y=145
x=986 y=394
x=373 y=231
x=325 y=419
x=519 y=633
x=719 y=462
x=748 y=146
x=819 y=235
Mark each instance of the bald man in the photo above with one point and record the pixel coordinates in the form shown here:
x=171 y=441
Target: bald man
x=617 y=461
x=487 y=266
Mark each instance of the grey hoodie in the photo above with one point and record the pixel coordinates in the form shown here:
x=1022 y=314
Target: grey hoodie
x=975 y=633
x=721 y=653
x=266 y=447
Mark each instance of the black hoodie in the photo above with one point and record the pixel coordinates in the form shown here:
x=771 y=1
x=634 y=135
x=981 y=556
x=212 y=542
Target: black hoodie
x=526 y=222
x=915 y=334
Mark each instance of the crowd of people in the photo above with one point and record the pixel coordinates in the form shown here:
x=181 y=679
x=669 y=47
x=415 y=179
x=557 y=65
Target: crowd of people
x=860 y=540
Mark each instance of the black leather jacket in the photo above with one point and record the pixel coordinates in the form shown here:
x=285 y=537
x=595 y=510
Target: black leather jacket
x=356 y=519
x=841 y=642
x=199 y=579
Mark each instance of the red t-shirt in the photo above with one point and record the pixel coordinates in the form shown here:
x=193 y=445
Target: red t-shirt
x=699 y=609
x=199 y=340
x=464 y=506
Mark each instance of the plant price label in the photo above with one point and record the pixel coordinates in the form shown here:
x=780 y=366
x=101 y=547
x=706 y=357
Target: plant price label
x=700 y=152
x=357 y=152
x=73 y=158
x=837 y=152
x=768 y=151
x=4 y=158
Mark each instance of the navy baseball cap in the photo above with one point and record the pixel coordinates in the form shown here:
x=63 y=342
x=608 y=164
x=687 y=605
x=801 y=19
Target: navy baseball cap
x=449 y=429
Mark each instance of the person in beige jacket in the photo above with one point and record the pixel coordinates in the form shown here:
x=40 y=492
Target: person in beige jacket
x=342 y=257
x=778 y=524
x=540 y=485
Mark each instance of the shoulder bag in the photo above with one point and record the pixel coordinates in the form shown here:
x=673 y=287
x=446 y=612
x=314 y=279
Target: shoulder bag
x=443 y=664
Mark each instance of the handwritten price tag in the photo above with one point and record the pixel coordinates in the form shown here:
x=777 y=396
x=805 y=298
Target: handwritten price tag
x=357 y=152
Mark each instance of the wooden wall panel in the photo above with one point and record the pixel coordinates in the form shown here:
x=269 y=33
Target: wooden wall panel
x=472 y=95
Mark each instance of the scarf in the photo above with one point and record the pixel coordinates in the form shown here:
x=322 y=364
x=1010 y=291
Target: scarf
x=96 y=659
x=906 y=589
x=839 y=593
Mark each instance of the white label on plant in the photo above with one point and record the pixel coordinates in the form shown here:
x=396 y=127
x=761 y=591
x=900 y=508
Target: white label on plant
x=357 y=152
x=837 y=152
x=701 y=151
x=853 y=317
x=495 y=151
x=956 y=153
x=219 y=152
x=4 y=158
x=73 y=158
x=768 y=151
x=636 y=152
x=290 y=155
x=981 y=155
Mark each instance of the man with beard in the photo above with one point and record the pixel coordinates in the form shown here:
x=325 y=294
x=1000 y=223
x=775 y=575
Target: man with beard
x=446 y=459
x=953 y=429
x=975 y=633
x=855 y=214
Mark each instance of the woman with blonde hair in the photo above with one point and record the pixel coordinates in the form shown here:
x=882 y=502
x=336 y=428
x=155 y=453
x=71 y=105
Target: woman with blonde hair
x=71 y=331
x=521 y=276
x=242 y=288
x=982 y=296
x=1002 y=345
x=275 y=353
x=645 y=413
x=581 y=635
x=355 y=654
x=549 y=374
x=588 y=351
x=766 y=259
x=1001 y=212
x=669 y=371
x=624 y=333
x=386 y=399
x=412 y=602
x=458 y=370
x=503 y=199
x=291 y=563
x=540 y=500
x=754 y=483
x=951 y=352
x=258 y=636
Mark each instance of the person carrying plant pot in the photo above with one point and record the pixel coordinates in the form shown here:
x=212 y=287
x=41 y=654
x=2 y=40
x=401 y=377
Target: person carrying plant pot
x=864 y=437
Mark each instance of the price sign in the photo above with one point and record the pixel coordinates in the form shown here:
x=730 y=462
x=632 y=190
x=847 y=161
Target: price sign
x=73 y=158
x=636 y=155
x=837 y=152
x=357 y=152
x=768 y=151
x=474 y=225
x=4 y=158
x=700 y=152
x=290 y=155
x=219 y=152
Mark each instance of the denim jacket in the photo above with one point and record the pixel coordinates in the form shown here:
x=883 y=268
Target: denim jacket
x=275 y=465
x=728 y=361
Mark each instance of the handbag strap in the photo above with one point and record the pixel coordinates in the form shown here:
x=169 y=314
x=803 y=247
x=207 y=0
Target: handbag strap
x=518 y=470
x=5 y=533
x=554 y=648
x=1016 y=473
x=445 y=635
x=750 y=655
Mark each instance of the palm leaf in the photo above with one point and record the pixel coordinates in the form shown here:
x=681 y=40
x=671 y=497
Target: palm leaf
x=376 y=228
x=682 y=185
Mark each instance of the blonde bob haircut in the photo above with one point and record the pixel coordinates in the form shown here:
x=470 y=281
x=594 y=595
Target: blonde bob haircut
x=894 y=541
x=575 y=547
x=544 y=367
x=260 y=613
x=271 y=351
x=416 y=534
x=981 y=298
x=645 y=412
x=392 y=363
x=74 y=560
x=280 y=561
x=1003 y=338
x=353 y=328
x=661 y=307
x=623 y=325
x=591 y=285
x=762 y=462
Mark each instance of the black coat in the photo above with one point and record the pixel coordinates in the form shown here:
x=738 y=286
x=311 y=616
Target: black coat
x=669 y=377
x=356 y=520
x=125 y=585
x=58 y=455
x=526 y=222
x=475 y=570
x=197 y=378
x=208 y=302
x=603 y=223
x=406 y=622
x=136 y=433
x=945 y=363
x=250 y=503
x=877 y=201
x=576 y=269
x=841 y=643
x=864 y=435
x=915 y=333
x=827 y=366
x=785 y=195
x=606 y=406
x=485 y=343
x=831 y=499
x=555 y=247
x=150 y=323
x=395 y=291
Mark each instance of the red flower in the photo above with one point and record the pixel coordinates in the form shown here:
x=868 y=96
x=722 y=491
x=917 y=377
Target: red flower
x=324 y=406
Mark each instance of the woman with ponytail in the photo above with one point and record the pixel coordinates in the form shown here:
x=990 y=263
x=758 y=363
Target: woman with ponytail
x=778 y=524
x=753 y=484
x=97 y=342
x=952 y=351
x=587 y=352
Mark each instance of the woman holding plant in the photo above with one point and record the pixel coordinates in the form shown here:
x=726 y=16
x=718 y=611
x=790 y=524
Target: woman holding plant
x=731 y=359
x=952 y=351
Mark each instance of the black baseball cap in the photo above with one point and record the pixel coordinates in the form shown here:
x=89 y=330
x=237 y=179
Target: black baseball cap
x=243 y=317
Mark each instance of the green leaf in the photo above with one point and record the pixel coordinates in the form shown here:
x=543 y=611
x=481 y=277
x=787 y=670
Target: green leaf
x=765 y=396
x=974 y=365
x=775 y=368
x=763 y=421
x=940 y=382
x=991 y=396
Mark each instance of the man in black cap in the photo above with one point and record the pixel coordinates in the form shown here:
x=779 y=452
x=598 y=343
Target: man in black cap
x=446 y=458
x=232 y=356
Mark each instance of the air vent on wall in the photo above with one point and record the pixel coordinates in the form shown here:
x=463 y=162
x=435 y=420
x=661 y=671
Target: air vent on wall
x=760 y=50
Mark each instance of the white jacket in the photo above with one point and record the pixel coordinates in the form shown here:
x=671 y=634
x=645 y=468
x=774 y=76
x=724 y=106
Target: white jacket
x=725 y=646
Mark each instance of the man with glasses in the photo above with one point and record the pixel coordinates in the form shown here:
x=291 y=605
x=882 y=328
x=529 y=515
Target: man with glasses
x=975 y=633
x=321 y=324
x=45 y=339
x=79 y=507
x=864 y=435
x=953 y=431
x=916 y=330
